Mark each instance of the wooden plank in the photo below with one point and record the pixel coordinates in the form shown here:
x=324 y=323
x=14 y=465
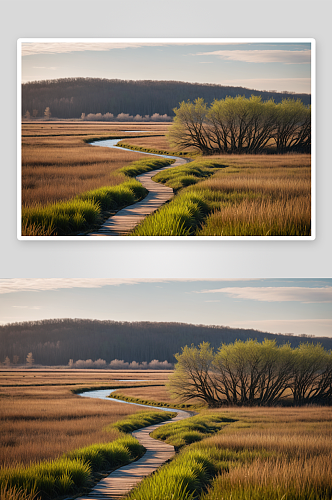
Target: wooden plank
x=121 y=481
x=124 y=221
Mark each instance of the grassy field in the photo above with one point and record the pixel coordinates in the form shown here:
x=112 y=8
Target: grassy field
x=257 y=453
x=242 y=195
x=41 y=418
x=57 y=164
x=230 y=453
x=246 y=196
x=69 y=186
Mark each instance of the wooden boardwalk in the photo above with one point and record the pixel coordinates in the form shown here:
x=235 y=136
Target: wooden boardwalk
x=128 y=218
x=121 y=481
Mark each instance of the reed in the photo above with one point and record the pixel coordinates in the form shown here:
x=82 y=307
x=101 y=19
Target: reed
x=81 y=213
x=180 y=217
x=14 y=493
x=182 y=479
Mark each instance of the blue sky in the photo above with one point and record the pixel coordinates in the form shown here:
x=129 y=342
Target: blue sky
x=299 y=306
x=262 y=66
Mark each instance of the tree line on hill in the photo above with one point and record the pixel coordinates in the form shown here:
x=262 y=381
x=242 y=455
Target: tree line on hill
x=251 y=373
x=56 y=342
x=241 y=125
x=72 y=97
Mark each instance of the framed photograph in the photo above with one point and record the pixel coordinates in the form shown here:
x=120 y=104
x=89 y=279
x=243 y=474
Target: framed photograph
x=246 y=363
x=181 y=139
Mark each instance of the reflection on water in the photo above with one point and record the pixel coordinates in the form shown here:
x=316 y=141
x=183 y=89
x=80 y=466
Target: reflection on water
x=112 y=143
x=104 y=393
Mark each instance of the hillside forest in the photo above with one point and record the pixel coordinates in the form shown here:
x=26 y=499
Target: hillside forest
x=57 y=342
x=73 y=97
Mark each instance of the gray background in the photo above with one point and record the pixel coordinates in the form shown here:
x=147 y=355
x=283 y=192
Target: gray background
x=160 y=18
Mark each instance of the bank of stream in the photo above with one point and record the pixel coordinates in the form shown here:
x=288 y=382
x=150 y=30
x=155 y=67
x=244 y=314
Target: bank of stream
x=120 y=482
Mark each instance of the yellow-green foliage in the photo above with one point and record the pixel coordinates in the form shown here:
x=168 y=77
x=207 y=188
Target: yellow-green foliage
x=14 y=493
x=72 y=471
x=68 y=217
x=142 y=419
x=182 y=479
x=141 y=166
x=190 y=430
x=188 y=174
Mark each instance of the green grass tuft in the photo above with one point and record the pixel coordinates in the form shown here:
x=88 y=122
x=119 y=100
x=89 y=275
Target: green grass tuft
x=190 y=430
x=188 y=174
x=142 y=419
x=82 y=212
x=142 y=166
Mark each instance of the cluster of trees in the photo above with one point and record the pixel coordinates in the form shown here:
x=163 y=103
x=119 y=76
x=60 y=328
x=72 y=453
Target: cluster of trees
x=253 y=374
x=120 y=364
x=241 y=125
x=70 y=97
x=55 y=342
x=125 y=117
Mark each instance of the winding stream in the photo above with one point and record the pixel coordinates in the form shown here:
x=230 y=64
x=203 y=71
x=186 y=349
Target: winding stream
x=122 y=480
x=112 y=143
x=104 y=393
x=125 y=220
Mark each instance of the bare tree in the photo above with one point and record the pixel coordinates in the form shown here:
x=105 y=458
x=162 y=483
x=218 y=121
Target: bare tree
x=253 y=374
x=192 y=375
x=29 y=359
x=47 y=113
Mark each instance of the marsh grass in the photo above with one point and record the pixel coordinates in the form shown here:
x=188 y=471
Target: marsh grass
x=155 y=149
x=73 y=470
x=81 y=213
x=14 y=493
x=188 y=174
x=182 y=479
x=58 y=165
x=274 y=453
x=60 y=218
x=180 y=217
x=40 y=417
x=272 y=198
x=142 y=166
x=149 y=402
x=142 y=419
x=191 y=430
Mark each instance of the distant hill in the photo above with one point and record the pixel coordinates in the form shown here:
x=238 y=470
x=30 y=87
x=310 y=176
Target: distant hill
x=55 y=342
x=70 y=97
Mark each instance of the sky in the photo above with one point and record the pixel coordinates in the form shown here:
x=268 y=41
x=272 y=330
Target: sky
x=298 y=306
x=276 y=66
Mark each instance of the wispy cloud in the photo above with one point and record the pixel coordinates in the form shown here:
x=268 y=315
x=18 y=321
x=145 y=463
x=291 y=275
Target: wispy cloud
x=277 y=294
x=44 y=67
x=300 y=85
x=315 y=327
x=262 y=56
x=34 y=48
x=41 y=284
x=35 y=308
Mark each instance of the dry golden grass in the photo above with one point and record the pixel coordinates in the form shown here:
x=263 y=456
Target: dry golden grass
x=268 y=195
x=151 y=142
x=148 y=393
x=58 y=165
x=78 y=127
x=42 y=422
x=298 y=463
